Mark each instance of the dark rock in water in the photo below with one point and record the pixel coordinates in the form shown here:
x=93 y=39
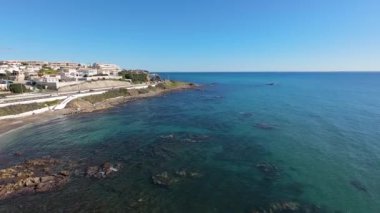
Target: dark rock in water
x=270 y=171
x=102 y=171
x=163 y=179
x=92 y=171
x=212 y=98
x=65 y=173
x=17 y=154
x=358 y=185
x=264 y=126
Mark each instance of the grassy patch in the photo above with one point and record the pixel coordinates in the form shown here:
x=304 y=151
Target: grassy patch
x=109 y=94
x=21 y=108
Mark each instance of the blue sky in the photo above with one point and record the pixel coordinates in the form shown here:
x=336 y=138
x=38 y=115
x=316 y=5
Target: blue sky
x=196 y=35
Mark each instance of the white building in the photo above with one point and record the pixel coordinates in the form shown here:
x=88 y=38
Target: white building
x=69 y=73
x=62 y=65
x=107 y=69
x=35 y=63
x=89 y=72
x=50 y=79
x=12 y=62
x=4 y=84
x=32 y=68
x=3 y=69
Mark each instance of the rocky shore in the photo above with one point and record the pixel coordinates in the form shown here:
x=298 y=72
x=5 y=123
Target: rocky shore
x=33 y=176
x=47 y=174
x=82 y=105
x=86 y=105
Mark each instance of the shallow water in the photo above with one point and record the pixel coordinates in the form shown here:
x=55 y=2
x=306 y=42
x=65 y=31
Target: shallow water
x=319 y=131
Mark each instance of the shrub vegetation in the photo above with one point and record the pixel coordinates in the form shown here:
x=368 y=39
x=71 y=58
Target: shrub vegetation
x=135 y=76
x=107 y=95
x=17 y=88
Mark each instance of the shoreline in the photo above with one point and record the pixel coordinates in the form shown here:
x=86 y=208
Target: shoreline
x=76 y=106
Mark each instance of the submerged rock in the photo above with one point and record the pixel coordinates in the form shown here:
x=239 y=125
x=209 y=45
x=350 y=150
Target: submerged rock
x=17 y=154
x=102 y=171
x=163 y=179
x=289 y=206
x=195 y=139
x=246 y=114
x=269 y=170
x=185 y=173
x=264 y=126
x=358 y=185
x=171 y=136
x=280 y=207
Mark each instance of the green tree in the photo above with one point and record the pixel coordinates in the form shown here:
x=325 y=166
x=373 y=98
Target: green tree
x=136 y=77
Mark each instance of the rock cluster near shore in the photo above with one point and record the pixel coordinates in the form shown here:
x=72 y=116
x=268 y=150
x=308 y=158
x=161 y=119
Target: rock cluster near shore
x=40 y=175
x=102 y=171
x=46 y=174
x=103 y=101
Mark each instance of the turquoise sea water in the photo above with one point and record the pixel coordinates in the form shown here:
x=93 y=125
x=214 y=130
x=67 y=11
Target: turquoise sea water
x=320 y=132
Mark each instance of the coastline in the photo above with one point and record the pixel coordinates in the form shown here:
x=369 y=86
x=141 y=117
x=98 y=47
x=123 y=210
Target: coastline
x=79 y=106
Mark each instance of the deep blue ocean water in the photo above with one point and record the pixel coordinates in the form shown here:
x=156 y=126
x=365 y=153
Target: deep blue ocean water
x=318 y=133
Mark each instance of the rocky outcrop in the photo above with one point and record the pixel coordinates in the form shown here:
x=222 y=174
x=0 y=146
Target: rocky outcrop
x=79 y=105
x=102 y=171
x=33 y=176
x=163 y=179
x=46 y=174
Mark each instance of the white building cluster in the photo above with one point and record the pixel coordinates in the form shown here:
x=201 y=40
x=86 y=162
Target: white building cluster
x=53 y=72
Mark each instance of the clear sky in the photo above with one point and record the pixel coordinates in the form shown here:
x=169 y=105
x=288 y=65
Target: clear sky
x=196 y=35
